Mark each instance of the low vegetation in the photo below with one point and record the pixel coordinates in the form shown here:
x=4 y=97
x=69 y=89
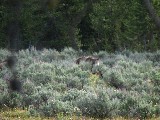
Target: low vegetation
x=53 y=84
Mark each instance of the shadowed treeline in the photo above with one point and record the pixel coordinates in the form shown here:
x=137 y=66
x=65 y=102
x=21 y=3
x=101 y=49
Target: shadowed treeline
x=88 y=25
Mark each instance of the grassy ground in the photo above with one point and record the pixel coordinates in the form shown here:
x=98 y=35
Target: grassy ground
x=17 y=114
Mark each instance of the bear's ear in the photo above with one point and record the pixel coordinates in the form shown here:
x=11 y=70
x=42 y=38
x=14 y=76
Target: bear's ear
x=76 y=61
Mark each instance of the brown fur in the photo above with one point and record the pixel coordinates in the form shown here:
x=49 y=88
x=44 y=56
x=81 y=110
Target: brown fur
x=80 y=59
x=91 y=59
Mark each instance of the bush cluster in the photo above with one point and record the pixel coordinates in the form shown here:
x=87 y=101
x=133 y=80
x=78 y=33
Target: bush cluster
x=54 y=84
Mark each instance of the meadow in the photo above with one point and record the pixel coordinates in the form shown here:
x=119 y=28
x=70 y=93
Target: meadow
x=54 y=86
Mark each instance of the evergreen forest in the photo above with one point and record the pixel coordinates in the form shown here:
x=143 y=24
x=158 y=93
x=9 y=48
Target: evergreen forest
x=89 y=25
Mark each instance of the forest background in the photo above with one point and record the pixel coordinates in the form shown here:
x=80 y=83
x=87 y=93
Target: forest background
x=90 y=25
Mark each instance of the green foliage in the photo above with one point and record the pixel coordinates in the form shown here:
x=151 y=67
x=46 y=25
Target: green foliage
x=104 y=25
x=11 y=100
x=56 y=107
x=156 y=78
x=56 y=86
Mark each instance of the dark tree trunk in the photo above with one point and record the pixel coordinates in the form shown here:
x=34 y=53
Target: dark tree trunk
x=13 y=30
x=152 y=13
x=75 y=21
x=72 y=37
x=13 y=35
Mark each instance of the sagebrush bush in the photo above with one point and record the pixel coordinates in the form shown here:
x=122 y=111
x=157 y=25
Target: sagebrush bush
x=53 y=84
x=55 y=107
x=96 y=103
x=3 y=54
x=156 y=77
x=11 y=100
x=40 y=73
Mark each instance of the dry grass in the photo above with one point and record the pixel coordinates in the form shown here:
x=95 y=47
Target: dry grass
x=17 y=114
